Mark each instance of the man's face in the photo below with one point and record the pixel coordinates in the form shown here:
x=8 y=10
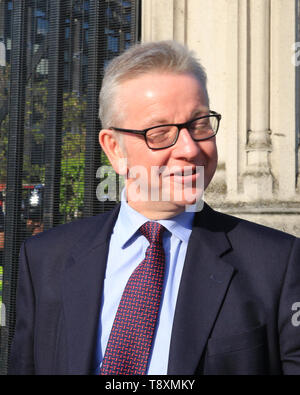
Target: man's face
x=164 y=98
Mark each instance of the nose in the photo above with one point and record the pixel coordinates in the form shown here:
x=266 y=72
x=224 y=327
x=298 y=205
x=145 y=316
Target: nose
x=186 y=146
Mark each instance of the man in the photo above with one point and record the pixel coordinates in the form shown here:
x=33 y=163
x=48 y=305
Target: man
x=155 y=287
x=33 y=211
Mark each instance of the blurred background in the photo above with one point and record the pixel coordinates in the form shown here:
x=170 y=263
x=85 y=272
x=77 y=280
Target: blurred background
x=52 y=57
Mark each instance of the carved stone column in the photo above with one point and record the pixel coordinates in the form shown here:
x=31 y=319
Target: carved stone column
x=164 y=20
x=258 y=180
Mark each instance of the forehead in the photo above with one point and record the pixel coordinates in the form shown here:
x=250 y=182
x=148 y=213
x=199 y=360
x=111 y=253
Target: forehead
x=161 y=95
x=165 y=79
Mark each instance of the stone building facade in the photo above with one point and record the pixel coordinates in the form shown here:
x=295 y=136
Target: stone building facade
x=249 y=50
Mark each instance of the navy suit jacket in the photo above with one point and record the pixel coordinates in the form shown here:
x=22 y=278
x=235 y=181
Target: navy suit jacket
x=233 y=313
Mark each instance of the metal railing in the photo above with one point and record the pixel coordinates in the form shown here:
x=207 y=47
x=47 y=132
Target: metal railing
x=56 y=52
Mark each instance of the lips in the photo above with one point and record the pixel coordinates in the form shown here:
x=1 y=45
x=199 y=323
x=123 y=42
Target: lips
x=187 y=179
x=187 y=171
x=187 y=176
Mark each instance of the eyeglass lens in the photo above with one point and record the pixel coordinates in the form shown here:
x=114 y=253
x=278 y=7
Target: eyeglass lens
x=200 y=129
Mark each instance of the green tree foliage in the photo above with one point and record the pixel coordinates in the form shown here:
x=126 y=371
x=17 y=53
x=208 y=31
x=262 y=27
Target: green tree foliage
x=35 y=124
x=73 y=156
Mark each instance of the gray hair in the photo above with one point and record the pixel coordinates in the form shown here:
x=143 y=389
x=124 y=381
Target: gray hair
x=141 y=59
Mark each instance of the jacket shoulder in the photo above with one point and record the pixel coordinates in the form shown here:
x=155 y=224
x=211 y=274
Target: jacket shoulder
x=262 y=243
x=242 y=229
x=70 y=233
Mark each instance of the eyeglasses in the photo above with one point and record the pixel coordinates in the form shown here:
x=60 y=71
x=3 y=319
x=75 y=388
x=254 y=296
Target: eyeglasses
x=165 y=136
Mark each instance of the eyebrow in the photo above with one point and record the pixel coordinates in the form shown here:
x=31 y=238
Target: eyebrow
x=156 y=121
x=200 y=112
x=162 y=121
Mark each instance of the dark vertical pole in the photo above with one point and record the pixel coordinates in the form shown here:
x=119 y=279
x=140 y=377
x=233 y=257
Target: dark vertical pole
x=53 y=138
x=97 y=46
x=135 y=31
x=75 y=76
x=2 y=19
x=3 y=101
x=297 y=95
x=14 y=176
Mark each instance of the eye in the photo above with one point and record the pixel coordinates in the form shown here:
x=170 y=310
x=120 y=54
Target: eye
x=201 y=124
x=160 y=133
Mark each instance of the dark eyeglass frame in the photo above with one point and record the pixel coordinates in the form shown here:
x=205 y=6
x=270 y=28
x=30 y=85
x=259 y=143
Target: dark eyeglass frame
x=179 y=126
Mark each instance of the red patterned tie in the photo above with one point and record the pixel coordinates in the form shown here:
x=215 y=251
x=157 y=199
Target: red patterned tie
x=129 y=344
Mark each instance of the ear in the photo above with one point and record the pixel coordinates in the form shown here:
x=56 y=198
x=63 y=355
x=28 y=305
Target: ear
x=113 y=151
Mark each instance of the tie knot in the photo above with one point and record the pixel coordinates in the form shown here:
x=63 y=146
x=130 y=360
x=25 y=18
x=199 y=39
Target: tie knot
x=152 y=231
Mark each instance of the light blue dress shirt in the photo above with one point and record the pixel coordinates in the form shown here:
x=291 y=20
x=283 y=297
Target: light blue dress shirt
x=127 y=249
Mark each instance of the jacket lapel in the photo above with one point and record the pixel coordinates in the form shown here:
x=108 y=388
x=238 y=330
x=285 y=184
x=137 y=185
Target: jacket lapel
x=83 y=285
x=205 y=279
x=204 y=282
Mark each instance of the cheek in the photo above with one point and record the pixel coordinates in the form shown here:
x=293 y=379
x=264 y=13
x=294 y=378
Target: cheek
x=138 y=154
x=209 y=150
x=211 y=159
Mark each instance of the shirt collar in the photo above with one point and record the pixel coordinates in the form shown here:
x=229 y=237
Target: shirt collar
x=130 y=220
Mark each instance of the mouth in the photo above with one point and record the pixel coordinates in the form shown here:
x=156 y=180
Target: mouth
x=189 y=176
x=186 y=171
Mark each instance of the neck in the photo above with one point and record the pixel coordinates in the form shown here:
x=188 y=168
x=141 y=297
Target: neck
x=157 y=210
